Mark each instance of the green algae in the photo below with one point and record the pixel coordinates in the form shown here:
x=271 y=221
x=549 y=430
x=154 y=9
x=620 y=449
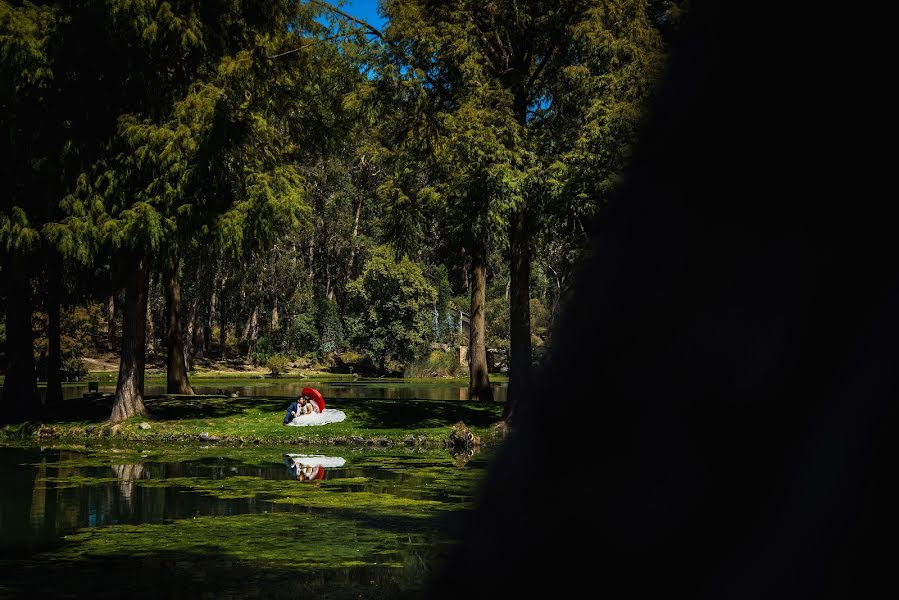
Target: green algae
x=423 y=478
x=376 y=534
x=304 y=538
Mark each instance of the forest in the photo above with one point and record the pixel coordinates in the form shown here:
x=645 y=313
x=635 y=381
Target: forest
x=284 y=183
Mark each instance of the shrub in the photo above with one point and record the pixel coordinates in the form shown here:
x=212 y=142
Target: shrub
x=330 y=328
x=389 y=309
x=261 y=351
x=304 y=335
x=440 y=364
x=277 y=364
x=355 y=362
x=76 y=332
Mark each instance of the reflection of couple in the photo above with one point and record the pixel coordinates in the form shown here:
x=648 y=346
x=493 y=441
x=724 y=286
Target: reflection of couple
x=304 y=472
x=304 y=467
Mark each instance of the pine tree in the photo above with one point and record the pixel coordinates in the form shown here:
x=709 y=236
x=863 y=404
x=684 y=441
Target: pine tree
x=514 y=97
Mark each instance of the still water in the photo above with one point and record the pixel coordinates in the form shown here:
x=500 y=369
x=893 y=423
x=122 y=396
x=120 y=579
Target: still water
x=361 y=388
x=228 y=522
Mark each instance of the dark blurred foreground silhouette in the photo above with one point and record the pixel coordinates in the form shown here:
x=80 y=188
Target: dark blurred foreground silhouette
x=732 y=347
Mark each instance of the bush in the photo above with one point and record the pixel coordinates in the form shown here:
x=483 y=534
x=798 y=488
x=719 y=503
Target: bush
x=439 y=364
x=389 y=309
x=261 y=351
x=75 y=340
x=277 y=364
x=304 y=336
x=354 y=362
x=330 y=328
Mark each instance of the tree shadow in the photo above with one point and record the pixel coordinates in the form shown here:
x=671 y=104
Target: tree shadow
x=193 y=574
x=374 y=413
x=367 y=413
x=172 y=408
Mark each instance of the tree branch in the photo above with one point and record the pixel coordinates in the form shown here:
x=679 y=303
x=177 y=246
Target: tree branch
x=348 y=16
x=554 y=45
x=315 y=42
x=374 y=31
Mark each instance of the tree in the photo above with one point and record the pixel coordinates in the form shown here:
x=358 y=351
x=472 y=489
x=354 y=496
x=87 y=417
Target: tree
x=389 y=309
x=29 y=155
x=508 y=69
x=205 y=150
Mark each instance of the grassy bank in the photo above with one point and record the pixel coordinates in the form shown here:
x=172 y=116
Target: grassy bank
x=257 y=420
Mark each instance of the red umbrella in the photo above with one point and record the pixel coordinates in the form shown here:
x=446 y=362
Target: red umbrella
x=316 y=397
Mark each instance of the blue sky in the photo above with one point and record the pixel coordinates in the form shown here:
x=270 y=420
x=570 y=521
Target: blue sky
x=367 y=10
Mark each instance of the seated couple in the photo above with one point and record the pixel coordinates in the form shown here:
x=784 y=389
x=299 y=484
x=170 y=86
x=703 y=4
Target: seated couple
x=300 y=407
x=309 y=410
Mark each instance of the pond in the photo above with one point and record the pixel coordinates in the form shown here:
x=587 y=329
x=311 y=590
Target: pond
x=359 y=388
x=229 y=522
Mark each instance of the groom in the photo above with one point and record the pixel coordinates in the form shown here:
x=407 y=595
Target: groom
x=295 y=408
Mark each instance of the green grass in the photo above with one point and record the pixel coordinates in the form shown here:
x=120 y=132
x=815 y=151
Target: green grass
x=257 y=420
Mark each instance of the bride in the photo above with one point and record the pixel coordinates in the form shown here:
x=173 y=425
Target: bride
x=308 y=413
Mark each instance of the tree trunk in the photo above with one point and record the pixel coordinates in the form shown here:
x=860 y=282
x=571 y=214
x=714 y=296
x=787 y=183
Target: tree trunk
x=177 y=381
x=519 y=313
x=252 y=331
x=329 y=291
x=557 y=298
x=479 y=381
x=110 y=321
x=20 y=399
x=151 y=331
x=274 y=323
x=211 y=318
x=129 y=394
x=248 y=327
x=464 y=270
x=223 y=336
x=199 y=338
x=349 y=268
x=191 y=327
x=197 y=314
x=54 y=350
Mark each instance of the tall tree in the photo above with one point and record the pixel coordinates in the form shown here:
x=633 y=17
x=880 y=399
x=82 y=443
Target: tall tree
x=29 y=156
x=205 y=150
x=513 y=66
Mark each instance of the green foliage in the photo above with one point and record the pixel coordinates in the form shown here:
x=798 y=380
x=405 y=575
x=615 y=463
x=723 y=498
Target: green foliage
x=439 y=363
x=355 y=362
x=539 y=320
x=262 y=350
x=389 y=308
x=277 y=364
x=514 y=110
x=498 y=324
x=330 y=327
x=79 y=330
x=303 y=337
x=31 y=144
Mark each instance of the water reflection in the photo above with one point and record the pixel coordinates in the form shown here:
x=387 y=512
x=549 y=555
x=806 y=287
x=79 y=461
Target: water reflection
x=311 y=467
x=51 y=493
x=127 y=475
x=462 y=456
x=376 y=389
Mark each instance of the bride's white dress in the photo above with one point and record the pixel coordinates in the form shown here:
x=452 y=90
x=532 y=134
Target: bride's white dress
x=329 y=415
x=317 y=460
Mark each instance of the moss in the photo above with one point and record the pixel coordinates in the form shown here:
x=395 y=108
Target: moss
x=375 y=532
x=302 y=539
